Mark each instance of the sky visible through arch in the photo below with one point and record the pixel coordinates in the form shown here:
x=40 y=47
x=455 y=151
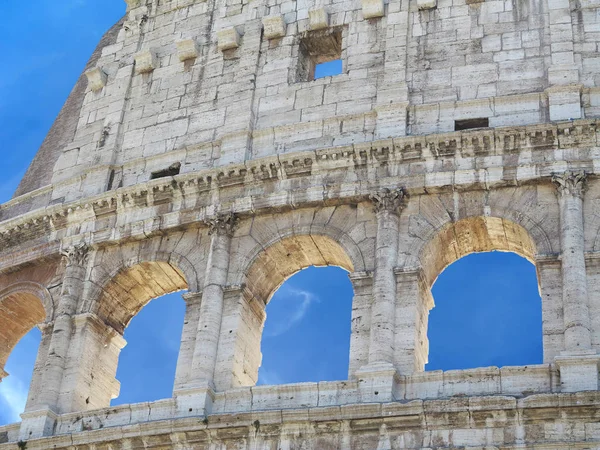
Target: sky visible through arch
x=488 y=308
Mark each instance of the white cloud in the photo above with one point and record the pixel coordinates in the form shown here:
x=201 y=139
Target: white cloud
x=299 y=303
x=13 y=393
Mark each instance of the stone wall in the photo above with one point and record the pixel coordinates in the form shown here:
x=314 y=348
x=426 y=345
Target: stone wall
x=204 y=159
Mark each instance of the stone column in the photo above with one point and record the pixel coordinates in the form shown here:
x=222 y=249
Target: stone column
x=42 y=412
x=387 y=205
x=570 y=187
x=578 y=364
x=72 y=289
x=211 y=309
x=379 y=378
x=193 y=300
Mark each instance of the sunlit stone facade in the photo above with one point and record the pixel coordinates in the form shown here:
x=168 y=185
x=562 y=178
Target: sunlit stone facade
x=197 y=153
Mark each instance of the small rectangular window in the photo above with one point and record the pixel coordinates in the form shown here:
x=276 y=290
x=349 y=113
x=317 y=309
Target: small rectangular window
x=320 y=54
x=170 y=172
x=467 y=124
x=328 y=69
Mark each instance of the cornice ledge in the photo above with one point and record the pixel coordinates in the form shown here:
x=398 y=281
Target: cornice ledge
x=284 y=166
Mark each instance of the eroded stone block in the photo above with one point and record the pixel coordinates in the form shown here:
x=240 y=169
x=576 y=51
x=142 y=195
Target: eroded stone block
x=372 y=8
x=145 y=62
x=228 y=39
x=187 y=49
x=318 y=19
x=426 y=4
x=96 y=78
x=274 y=27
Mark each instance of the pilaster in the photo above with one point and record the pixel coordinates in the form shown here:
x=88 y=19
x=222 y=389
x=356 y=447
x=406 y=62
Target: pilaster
x=221 y=230
x=387 y=205
x=413 y=303
x=193 y=300
x=89 y=379
x=578 y=364
x=362 y=283
x=564 y=93
x=570 y=187
x=239 y=356
x=72 y=288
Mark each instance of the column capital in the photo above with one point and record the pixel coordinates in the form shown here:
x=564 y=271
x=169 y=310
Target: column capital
x=192 y=297
x=222 y=224
x=45 y=327
x=76 y=255
x=391 y=200
x=570 y=182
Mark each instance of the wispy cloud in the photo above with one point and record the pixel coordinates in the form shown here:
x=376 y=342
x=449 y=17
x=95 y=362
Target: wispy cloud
x=298 y=304
x=269 y=377
x=13 y=393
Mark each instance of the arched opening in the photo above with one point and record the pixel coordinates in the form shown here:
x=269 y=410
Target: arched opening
x=23 y=306
x=147 y=363
x=488 y=313
x=143 y=302
x=132 y=288
x=20 y=311
x=15 y=388
x=481 y=273
x=265 y=274
x=307 y=330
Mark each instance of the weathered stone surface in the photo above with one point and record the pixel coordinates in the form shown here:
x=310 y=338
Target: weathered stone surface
x=274 y=26
x=225 y=175
x=145 y=61
x=96 y=78
x=372 y=9
x=318 y=18
x=187 y=49
x=228 y=39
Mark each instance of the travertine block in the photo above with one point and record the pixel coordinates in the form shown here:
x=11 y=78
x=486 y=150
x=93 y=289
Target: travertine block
x=426 y=4
x=274 y=27
x=187 y=49
x=96 y=78
x=318 y=19
x=578 y=372
x=228 y=39
x=145 y=61
x=564 y=102
x=372 y=8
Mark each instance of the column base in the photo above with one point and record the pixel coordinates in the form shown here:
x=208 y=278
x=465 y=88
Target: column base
x=378 y=382
x=578 y=372
x=37 y=424
x=192 y=402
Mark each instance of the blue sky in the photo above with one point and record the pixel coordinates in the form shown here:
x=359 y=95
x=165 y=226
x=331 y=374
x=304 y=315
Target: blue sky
x=488 y=310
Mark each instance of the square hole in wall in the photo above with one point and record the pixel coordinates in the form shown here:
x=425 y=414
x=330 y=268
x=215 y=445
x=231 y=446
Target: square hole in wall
x=467 y=124
x=328 y=69
x=320 y=54
x=171 y=171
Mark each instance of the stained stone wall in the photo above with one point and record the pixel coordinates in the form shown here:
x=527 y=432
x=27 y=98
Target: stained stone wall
x=202 y=159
